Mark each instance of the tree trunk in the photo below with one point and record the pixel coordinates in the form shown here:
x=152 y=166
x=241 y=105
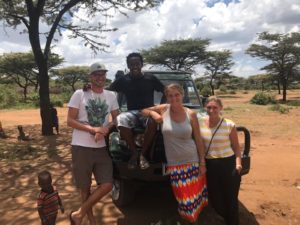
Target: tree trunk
x=25 y=93
x=284 y=87
x=212 y=87
x=45 y=101
x=43 y=77
x=278 y=86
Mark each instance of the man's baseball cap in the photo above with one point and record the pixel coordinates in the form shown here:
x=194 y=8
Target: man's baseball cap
x=97 y=67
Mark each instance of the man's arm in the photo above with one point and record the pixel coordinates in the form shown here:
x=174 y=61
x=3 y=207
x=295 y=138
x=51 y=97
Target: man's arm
x=160 y=87
x=74 y=123
x=114 y=115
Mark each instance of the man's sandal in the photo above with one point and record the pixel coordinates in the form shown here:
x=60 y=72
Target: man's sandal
x=144 y=164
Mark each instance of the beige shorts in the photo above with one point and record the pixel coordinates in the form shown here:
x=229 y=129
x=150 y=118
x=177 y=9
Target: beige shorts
x=87 y=161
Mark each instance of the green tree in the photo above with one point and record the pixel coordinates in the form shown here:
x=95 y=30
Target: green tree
x=217 y=65
x=261 y=81
x=57 y=17
x=283 y=50
x=177 y=54
x=20 y=68
x=71 y=75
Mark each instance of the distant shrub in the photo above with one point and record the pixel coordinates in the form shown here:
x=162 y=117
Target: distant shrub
x=8 y=97
x=262 y=98
x=35 y=98
x=294 y=103
x=58 y=103
x=245 y=92
x=205 y=91
x=222 y=89
x=232 y=92
x=279 y=108
x=228 y=109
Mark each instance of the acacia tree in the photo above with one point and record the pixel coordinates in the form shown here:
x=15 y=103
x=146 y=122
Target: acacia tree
x=283 y=50
x=20 y=68
x=57 y=17
x=217 y=65
x=71 y=75
x=177 y=54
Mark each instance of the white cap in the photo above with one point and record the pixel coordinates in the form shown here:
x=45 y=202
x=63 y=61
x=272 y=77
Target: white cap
x=97 y=67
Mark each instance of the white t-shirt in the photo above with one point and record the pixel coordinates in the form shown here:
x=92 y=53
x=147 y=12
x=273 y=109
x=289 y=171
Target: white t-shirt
x=94 y=109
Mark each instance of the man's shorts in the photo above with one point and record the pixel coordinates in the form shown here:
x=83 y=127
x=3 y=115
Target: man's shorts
x=131 y=119
x=87 y=161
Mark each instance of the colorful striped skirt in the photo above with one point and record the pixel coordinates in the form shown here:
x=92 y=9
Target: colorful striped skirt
x=190 y=190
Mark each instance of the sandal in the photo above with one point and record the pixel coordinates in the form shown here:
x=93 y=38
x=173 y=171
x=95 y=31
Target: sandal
x=144 y=164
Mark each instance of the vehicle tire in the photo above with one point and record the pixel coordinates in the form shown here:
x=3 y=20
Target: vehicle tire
x=123 y=192
x=246 y=141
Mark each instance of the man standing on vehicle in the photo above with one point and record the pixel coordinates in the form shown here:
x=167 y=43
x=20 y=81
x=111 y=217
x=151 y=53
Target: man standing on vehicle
x=88 y=115
x=138 y=88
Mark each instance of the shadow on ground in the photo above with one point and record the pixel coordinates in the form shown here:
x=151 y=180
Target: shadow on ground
x=156 y=206
x=153 y=205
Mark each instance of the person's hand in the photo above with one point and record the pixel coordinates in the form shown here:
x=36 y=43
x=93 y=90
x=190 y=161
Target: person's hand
x=103 y=130
x=202 y=169
x=62 y=209
x=98 y=136
x=238 y=168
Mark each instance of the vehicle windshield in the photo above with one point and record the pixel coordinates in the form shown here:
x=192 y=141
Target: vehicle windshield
x=190 y=99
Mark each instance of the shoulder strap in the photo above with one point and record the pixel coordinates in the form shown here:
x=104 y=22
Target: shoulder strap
x=213 y=136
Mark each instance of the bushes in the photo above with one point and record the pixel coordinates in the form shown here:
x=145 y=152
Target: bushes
x=205 y=91
x=279 y=108
x=263 y=98
x=223 y=89
x=8 y=97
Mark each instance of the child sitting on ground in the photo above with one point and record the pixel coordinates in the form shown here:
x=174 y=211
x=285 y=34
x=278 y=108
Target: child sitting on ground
x=54 y=118
x=22 y=136
x=2 y=133
x=48 y=200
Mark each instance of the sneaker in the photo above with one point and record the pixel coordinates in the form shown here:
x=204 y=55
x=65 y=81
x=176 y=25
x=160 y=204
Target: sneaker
x=144 y=164
x=132 y=162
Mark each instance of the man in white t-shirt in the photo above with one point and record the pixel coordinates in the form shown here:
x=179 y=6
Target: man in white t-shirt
x=88 y=115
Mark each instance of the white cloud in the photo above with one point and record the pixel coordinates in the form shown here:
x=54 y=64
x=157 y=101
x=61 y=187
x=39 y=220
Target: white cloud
x=229 y=24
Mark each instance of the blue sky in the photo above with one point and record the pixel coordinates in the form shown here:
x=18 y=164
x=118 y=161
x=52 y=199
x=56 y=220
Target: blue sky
x=228 y=24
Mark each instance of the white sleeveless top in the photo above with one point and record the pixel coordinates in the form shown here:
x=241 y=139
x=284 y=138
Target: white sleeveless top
x=180 y=147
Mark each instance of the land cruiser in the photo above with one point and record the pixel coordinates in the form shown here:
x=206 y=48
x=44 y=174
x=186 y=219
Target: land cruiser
x=127 y=181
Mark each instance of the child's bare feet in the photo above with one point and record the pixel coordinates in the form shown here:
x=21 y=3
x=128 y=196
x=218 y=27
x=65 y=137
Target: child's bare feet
x=75 y=218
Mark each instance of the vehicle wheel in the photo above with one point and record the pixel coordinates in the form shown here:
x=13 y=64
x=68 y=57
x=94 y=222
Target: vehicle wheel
x=123 y=192
x=246 y=141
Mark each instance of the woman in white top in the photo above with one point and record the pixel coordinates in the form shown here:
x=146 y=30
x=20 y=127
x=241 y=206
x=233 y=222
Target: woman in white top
x=223 y=161
x=184 y=152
